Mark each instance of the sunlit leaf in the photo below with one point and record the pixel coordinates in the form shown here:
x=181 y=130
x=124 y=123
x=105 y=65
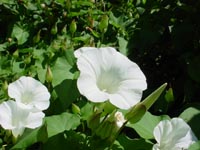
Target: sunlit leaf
x=61 y=70
x=192 y=116
x=59 y=123
x=20 y=33
x=195 y=146
x=30 y=137
x=146 y=125
x=136 y=144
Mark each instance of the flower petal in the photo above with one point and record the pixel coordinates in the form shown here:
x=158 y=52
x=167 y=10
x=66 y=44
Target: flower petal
x=6 y=114
x=29 y=91
x=125 y=99
x=34 y=120
x=173 y=134
x=88 y=88
x=107 y=74
x=18 y=131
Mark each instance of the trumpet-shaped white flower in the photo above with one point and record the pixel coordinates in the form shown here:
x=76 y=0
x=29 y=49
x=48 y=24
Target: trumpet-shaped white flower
x=18 y=117
x=174 y=134
x=30 y=92
x=106 y=74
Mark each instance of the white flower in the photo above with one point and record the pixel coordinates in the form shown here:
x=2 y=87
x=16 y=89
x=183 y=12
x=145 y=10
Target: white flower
x=18 y=117
x=174 y=134
x=106 y=74
x=30 y=92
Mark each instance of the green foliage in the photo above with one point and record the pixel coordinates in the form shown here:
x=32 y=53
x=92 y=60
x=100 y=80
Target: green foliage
x=38 y=38
x=146 y=125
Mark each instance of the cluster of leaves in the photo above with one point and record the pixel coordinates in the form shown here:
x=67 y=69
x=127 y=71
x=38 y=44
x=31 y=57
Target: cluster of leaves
x=38 y=37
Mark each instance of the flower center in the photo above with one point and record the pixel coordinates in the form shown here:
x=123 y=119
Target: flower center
x=27 y=96
x=109 y=80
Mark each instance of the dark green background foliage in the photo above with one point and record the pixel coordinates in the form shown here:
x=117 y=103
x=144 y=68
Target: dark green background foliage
x=161 y=36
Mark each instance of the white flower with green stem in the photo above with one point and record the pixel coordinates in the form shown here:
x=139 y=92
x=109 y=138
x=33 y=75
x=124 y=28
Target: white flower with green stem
x=106 y=74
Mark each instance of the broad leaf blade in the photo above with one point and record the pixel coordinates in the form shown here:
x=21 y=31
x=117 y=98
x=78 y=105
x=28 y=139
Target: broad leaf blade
x=59 y=123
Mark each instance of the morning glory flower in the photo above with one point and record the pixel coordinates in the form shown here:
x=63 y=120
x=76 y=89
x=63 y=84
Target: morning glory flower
x=106 y=74
x=174 y=134
x=30 y=92
x=16 y=117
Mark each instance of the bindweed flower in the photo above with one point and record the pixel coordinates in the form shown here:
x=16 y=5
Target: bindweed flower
x=18 y=117
x=106 y=74
x=30 y=92
x=174 y=134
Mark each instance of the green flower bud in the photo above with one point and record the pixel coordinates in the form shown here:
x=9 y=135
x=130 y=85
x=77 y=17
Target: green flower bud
x=105 y=129
x=94 y=121
x=27 y=60
x=5 y=85
x=54 y=29
x=136 y=113
x=64 y=30
x=75 y=109
x=110 y=127
x=16 y=54
x=103 y=25
x=73 y=27
x=36 y=38
x=169 y=95
x=151 y=99
x=49 y=75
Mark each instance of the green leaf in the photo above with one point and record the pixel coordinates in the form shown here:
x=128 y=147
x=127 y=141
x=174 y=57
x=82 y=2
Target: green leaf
x=70 y=139
x=192 y=116
x=20 y=34
x=136 y=144
x=59 y=123
x=3 y=47
x=151 y=99
x=69 y=55
x=65 y=94
x=195 y=146
x=61 y=70
x=87 y=111
x=123 y=45
x=146 y=125
x=30 y=137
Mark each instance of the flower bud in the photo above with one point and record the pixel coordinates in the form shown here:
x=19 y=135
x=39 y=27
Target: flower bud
x=27 y=60
x=75 y=109
x=36 y=38
x=109 y=128
x=73 y=27
x=5 y=86
x=136 y=113
x=16 y=54
x=64 y=30
x=9 y=40
x=169 y=96
x=151 y=99
x=54 y=29
x=43 y=5
x=94 y=121
x=103 y=25
x=49 y=75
